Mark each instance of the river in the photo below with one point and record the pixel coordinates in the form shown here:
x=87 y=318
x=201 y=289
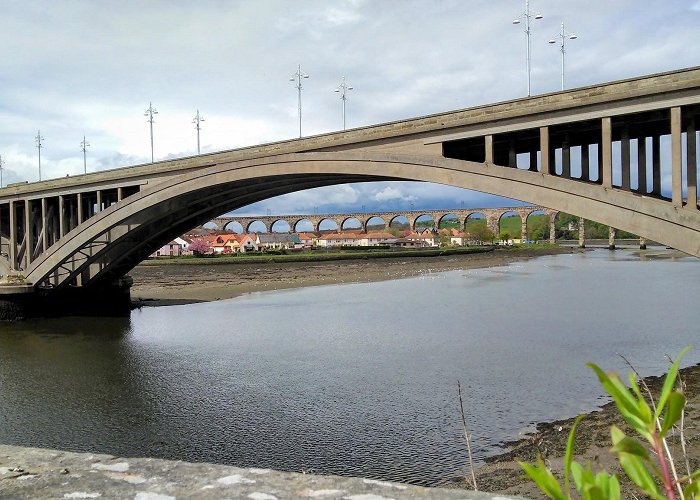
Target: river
x=355 y=379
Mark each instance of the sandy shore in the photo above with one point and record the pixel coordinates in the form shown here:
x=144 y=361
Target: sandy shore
x=158 y=285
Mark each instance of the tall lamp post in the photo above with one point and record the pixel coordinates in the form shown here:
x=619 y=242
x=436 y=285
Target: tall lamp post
x=83 y=147
x=38 y=140
x=149 y=113
x=2 y=167
x=343 y=88
x=196 y=120
x=563 y=35
x=298 y=76
x=526 y=16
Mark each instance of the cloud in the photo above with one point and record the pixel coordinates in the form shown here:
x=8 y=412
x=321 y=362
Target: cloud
x=391 y=193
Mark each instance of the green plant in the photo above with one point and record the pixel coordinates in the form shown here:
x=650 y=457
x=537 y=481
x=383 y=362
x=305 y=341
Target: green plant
x=652 y=421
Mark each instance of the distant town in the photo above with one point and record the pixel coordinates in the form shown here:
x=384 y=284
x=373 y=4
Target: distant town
x=219 y=242
x=425 y=234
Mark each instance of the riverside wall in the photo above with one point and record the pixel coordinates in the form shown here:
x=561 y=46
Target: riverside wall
x=30 y=473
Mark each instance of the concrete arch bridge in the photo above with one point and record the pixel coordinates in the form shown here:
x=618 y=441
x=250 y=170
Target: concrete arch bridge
x=623 y=154
x=492 y=216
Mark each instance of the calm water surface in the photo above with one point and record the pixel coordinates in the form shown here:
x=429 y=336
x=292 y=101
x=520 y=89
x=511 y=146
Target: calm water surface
x=355 y=379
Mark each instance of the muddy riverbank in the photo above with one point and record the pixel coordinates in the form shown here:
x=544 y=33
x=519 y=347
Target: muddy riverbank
x=170 y=284
x=502 y=473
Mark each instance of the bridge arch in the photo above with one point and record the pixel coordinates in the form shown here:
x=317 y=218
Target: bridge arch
x=280 y=226
x=375 y=220
x=109 y=244
x=504 y=225
x=348 y=223
x=330 y=223
x=234 y=226
x=302 y=225
x=449 y=219
x=424 y=218
x=255 y=224
x=399 y=221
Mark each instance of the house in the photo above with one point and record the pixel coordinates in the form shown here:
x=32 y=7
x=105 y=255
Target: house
x=308 y=240
x=277 y=241
x=424 y=238
x=372 y=239
x=175 y=248
x=246 y=243
x=345 y=239
x=233 y=243
x=456 y=237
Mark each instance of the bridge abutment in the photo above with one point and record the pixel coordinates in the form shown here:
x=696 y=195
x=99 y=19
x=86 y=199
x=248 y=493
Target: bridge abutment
x=22 y=302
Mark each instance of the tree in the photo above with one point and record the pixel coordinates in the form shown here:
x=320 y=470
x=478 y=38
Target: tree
x=480 y=233
x=199 y=247
x=504 y=236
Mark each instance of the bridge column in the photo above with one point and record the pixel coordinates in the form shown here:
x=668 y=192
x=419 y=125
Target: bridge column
x=512 y=156
x=523 y=229
x=566 y=159
x=98 y=203
x=28 y=233
x=692 y=174
x=656 y=164
x=488 y=153
x=80 y=208
x=606 y=148
x=533 y=161
x=44 y=226
x=581 y=232
x=552 y=229
x=13 y=235
x=642 y=164
x=61 y=216
x=545 y=152
x=642 y=243
x=625 y=163
x=676 y=167
x=120 y=194
x=611 y=238
x=585 y=163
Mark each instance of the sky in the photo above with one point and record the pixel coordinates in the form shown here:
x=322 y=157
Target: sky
x=75 y=69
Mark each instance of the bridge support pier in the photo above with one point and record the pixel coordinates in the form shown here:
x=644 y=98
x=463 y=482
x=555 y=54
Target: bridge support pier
x=642 y=243
x=581 y=232
x=611 y=238
x=24 y=301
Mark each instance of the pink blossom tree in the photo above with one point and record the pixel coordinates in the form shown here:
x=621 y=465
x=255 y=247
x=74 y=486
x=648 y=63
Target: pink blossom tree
x=199 y=247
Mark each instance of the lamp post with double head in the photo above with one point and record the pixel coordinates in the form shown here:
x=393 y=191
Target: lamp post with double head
x=298 y=77
x=526 y=16
x=149 y=113
x=196 y=120
x=563 y=36
x=342 y=89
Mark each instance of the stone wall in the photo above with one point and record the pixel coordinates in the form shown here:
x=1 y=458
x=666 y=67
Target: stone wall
x=29 y=473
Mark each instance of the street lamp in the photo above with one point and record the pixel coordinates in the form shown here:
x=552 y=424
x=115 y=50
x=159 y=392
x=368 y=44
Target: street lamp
x=342 y=89
x=196 y=120
x=563 y=35
x=298 y=76
x=83 y=148
x=149 y=113
x=526 y=16
x=38 y=140
x=2 y=165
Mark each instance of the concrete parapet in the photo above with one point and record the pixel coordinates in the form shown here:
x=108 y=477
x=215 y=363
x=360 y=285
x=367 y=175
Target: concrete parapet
x=37 y=473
